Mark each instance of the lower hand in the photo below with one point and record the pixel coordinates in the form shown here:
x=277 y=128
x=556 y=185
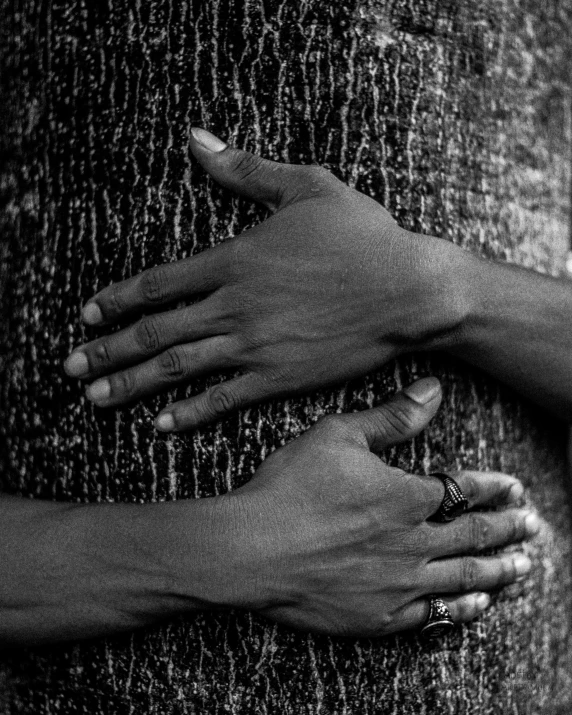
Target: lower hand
x=326 y=537
x=337 y=541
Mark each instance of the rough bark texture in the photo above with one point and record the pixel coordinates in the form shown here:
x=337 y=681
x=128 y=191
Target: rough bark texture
x=455 y=115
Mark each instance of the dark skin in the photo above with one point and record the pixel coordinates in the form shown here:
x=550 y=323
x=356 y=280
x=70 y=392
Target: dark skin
x=363 y=557
x=326 y=537
x=327 y=289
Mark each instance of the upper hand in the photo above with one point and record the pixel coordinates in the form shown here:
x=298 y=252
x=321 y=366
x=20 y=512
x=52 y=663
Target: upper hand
x=327 y=289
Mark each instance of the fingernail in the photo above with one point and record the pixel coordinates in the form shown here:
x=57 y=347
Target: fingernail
x=532 y=525
x=423 y=391
x=77 y=365
x=516 y=493
x=165 y=422
x=99 y=391
x=208 y=140
x=91 y=314
x=522 y=565
x=482 y=601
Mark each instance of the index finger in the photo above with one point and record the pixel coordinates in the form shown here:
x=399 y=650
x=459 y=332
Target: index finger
x=490 y=489
x=159 y=286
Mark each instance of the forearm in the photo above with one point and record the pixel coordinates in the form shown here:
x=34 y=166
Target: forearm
x=79 y=571
x=518 y=329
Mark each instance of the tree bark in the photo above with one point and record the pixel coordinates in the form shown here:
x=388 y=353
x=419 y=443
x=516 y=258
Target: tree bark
x=455 y=114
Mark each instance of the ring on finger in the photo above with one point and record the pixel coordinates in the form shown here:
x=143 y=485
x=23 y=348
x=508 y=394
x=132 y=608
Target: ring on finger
x=454 y=502
x=439 y=622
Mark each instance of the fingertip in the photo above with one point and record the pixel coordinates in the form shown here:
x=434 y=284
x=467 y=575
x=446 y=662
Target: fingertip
x=99 y=392
x=522 y=566
x=469 y=606
x=516 y=493
x=77 y=364
x=482 y=602
x=165 y=422
x=531 y=525
x=208 y=141
x=424 y=391
x=91 y=314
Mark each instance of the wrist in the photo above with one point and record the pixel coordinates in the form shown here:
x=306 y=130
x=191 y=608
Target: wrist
x=116 y=567
x=443 y=300
x=217 y=567
x=250 y=552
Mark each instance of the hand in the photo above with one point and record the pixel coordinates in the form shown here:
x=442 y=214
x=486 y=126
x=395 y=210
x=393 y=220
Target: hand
x=325 y=290
x=338 y=542
x=326 y=537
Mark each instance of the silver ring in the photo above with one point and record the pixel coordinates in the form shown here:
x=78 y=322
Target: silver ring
x=439 y=622
x=454 y=502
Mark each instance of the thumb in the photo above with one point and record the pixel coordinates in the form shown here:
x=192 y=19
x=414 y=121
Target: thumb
x=240 y=171
x=402 y=417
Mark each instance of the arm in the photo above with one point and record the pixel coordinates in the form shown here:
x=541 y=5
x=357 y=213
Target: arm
x=327 y=289
x=354 y=558
x=519 y=329
x=71 y=571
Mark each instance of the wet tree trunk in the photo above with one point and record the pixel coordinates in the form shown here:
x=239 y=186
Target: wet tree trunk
x=455 y=115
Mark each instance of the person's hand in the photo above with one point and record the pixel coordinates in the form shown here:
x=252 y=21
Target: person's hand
x=327 y=289
x=326 y=537
x=334 y=540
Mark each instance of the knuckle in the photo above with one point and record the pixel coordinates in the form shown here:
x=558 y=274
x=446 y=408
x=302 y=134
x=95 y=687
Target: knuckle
x=470 y=487
x=428 y=498
x=469 y=574
x=417 y=541
x=517 y=528
x=247 y=164
x=478 y=532
x=505 y=491
x=124 y=385
x=102 y=353
x=222 y=399
x=113 y=300
x=416 y=495
x=333 y=427
x=506 y=571
x=503 y=572
x=461 y=610
x=397 y=418
x=147 y=334
x=509 y=570
x=315 y=180
x=172 y=364
x=318 y=173
x=153 y=285
x=464 y=610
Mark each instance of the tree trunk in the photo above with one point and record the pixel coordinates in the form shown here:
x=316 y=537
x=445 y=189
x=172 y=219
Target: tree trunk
x=455 y=115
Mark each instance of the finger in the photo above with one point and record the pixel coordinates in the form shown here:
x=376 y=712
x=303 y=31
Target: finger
x=480 y=489
x=159 y=286
x=478 y=531
x=214 y=404
x=463 y=609
x=473 y=573
x=176 y=365
x=400 y=418
x=487 y=488
x=145 y=339
x=269 y=182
